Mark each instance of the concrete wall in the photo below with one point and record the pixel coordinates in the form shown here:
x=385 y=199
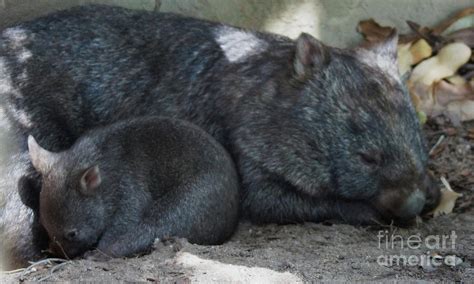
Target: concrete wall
x=333 y=21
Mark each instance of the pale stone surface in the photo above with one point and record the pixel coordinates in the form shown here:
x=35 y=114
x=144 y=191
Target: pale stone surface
x=199 y=270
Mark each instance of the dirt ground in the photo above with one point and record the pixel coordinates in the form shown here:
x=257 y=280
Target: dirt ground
x=314 y=252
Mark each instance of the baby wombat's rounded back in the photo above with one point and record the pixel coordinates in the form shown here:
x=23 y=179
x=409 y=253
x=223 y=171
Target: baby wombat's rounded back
x=165 y=146
x=174 y=158
x=164 y=174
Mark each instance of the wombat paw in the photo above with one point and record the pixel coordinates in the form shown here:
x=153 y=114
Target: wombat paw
x=96 y=255
x=175 y=242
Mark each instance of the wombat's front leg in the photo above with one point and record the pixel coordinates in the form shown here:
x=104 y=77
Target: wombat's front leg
x=268 y=201
x=136 y=240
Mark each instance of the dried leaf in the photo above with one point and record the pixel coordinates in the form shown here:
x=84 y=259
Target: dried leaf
x=457 y=80
x=405 y=59
x=372 y=31
x=411 y=53
x=446 y=93
x=448 y=25
x=420 y=50
x=461 y=110
x=414 y=36
x=427 y=34
x=407 y=38
x=465 y=35
x=444 y=25
x=447 y=201
x=454 y=101
x=443 y=65
x=422 y=98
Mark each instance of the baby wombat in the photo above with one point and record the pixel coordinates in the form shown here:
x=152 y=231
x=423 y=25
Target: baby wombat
x=119 y=187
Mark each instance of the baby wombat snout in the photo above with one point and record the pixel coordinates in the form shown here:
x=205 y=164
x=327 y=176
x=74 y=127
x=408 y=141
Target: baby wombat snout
x=120 y=187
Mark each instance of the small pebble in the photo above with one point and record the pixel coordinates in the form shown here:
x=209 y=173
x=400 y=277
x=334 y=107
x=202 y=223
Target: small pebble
x=452 y=260
x=356 y=265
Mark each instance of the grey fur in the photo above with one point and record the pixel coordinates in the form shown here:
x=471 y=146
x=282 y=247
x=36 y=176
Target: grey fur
x=21 y=235
x=153 y=178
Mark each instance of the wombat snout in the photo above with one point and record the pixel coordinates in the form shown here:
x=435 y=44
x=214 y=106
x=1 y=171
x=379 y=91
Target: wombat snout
x=71 y=243
x=433 y=194
x=71 y=235
x=413 y=205
x=406 y=203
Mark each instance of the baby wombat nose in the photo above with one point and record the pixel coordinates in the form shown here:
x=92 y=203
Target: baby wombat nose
x=71 y=235
x=413 y=205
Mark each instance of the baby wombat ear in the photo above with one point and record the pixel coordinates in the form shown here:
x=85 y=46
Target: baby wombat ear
x=90 y=180
x=311 y=54
x=41 y=159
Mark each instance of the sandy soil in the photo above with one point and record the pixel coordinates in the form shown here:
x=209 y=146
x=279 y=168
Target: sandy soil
x=313 y=252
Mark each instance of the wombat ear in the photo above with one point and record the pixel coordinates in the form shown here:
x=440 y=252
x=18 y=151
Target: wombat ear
x=41 y=158
x=90 y=180
x=310 y=54
x=29 y=191
x=382 y=54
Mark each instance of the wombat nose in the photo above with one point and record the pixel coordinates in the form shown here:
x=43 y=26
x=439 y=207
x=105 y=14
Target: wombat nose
x=71 y=235
x=433 y=194
x=413 y=205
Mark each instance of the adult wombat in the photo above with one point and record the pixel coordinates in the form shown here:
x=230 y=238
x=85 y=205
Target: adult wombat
x=21 y=235
x=316 y=132
x=120 y=187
